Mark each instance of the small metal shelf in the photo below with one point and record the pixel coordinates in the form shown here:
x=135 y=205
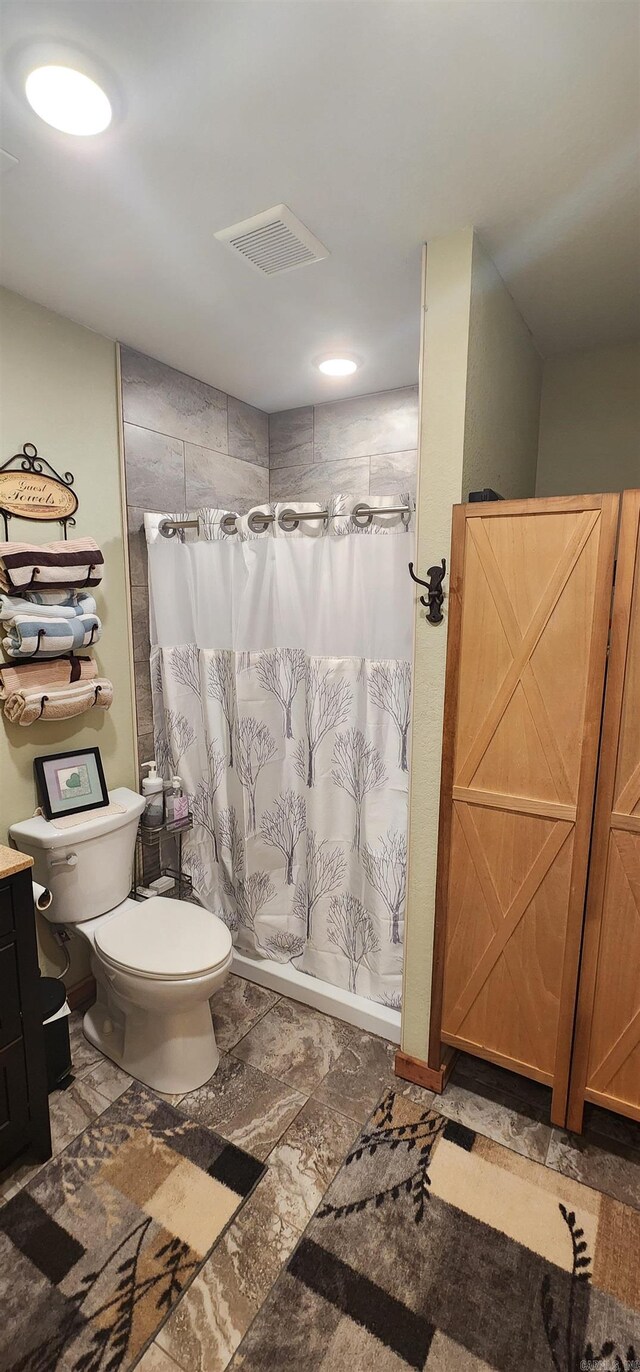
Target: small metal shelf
x=152 y=834
x=150 y=839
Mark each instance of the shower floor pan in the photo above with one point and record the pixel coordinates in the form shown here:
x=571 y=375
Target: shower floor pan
x=284 y=979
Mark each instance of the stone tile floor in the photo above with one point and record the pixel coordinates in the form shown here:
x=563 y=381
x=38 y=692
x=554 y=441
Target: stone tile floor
x=294 y=1087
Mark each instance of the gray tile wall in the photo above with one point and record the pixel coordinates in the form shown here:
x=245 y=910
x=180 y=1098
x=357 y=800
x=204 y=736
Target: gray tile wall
x=366 y=445
x=185 y=444
x=188 y=444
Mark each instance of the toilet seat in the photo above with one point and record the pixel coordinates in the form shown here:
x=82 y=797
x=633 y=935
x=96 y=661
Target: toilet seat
x=164 y=939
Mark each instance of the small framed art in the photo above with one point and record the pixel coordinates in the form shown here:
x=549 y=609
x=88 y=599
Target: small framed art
x=71 y=781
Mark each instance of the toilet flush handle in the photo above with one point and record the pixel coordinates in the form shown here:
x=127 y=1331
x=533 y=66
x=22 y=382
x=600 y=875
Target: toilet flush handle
x=69 y=860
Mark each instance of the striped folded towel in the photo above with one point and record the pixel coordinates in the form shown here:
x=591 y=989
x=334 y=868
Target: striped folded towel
x=50 y=566
x=56 y=671
x=54 y=604
x=32 y=636
x=58 y=702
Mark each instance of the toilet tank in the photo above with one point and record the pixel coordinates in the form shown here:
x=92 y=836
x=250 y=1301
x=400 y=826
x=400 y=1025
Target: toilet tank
x=88 y=867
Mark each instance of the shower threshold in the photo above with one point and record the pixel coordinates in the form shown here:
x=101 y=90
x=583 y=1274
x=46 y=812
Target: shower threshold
x=284 y=979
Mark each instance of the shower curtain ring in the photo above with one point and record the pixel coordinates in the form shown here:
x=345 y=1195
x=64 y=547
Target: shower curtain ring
x=361 y=515
x=259 y=521
x=288 y=522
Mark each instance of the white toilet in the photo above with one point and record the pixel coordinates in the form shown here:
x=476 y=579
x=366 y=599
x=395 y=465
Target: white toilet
x=156 y=962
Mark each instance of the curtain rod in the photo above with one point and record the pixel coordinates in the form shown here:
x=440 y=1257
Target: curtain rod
x=288 y=519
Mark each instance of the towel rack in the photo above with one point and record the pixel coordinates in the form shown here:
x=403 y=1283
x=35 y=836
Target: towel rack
x=91 y=704
x=25 y=486
x=74 y=659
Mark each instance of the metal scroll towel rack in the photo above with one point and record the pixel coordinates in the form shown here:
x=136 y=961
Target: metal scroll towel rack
x=259 y=520
x=30 y=488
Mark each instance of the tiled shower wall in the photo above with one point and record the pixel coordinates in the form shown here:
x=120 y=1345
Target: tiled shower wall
x=366 y=445
x=187 y=444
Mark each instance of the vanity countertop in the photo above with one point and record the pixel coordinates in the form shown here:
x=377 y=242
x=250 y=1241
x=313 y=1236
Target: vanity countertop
x=11 y=861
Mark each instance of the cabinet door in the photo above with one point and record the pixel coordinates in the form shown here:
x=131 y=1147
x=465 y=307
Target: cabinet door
x=10 y=1017
x=14 y=1102
x=606 y=1066
x=529 y=617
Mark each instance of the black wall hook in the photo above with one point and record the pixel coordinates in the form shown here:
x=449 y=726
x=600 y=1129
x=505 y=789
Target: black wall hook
x=435 y=594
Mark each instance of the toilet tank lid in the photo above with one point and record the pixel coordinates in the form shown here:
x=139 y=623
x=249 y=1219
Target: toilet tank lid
x=164 y=937
x=39 y=832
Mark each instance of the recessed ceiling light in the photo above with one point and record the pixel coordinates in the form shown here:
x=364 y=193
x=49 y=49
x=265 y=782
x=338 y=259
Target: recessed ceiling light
x=68 y=100
x=338 y=366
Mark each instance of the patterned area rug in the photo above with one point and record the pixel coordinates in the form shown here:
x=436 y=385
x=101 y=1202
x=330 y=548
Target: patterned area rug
x=96 y=1251
x=437 y=1248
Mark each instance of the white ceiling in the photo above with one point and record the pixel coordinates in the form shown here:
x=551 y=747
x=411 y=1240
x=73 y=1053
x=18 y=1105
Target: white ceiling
x=379 y=124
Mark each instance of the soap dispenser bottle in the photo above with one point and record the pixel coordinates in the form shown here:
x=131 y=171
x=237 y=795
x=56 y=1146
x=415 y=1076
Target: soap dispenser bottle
x=176 y=804
x=153 y=791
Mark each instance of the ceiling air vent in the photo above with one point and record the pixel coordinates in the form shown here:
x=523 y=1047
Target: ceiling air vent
x=274 y=241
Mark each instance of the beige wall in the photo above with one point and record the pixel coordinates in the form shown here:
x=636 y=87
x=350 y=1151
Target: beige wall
x=504 y=378
x=590 y=422
x=480 y=388
x=58 y=390
x=446 y=306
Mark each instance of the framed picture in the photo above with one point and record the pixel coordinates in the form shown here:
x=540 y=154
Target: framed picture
x=71 y=781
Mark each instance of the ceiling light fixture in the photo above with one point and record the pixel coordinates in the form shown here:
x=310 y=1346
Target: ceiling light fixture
x=338 y=366
x=68 y=100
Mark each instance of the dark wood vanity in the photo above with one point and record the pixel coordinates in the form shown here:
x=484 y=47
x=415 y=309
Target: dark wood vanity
x=24 y=1105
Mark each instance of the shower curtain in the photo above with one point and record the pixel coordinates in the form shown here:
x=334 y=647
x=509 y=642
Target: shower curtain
x=281 y=687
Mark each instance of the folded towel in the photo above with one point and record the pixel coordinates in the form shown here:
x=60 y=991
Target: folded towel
x=32 y=636
x=50 y=566
x=54 y=604
x=87 y=816
x=58 y=702
x=59 y=671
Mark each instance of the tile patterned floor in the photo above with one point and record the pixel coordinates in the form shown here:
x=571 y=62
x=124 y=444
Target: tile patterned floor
x=294 y=1086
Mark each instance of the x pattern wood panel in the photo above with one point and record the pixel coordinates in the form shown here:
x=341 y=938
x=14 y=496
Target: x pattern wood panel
x=629 y=798
x=625 y=848
x=507 y=916
x=617 y=1007
x=606 y=1049
x=522 y=644
x=504 y=921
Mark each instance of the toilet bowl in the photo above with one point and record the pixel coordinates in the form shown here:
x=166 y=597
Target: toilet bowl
x=156 y=965
x=156 y=962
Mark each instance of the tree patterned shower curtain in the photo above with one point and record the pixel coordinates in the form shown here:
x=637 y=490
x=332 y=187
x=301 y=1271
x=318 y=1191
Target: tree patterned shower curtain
x=281 y=684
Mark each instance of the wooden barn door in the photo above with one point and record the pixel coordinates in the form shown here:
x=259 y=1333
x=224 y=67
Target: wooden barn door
x=606 y=1065
x=528 y=625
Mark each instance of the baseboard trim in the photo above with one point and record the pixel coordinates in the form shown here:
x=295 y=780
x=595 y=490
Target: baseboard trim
x=419 y=1072
x=82 y=994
